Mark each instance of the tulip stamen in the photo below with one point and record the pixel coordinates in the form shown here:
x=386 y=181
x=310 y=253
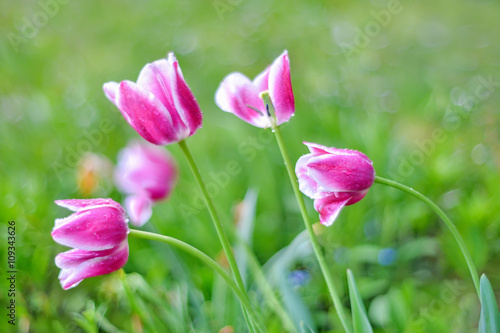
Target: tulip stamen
x=255 y=109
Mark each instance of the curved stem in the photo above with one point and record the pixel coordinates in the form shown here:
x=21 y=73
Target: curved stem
x=446 y=220
x=226 y=246
x=314 y=241
x=208 y=261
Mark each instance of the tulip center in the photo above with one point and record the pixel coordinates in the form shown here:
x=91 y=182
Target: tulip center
x=270 y=111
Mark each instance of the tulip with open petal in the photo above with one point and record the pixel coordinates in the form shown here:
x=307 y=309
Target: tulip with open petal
x=242 y=97
x=334 y=178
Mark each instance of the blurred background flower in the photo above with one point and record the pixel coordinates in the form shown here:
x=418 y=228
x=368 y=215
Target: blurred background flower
x=94 y=175
x=146 y=174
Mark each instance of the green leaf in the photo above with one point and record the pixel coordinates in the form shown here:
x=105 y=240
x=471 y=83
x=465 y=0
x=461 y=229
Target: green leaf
x=277 y=269
x=360 y=320
x=489 y=322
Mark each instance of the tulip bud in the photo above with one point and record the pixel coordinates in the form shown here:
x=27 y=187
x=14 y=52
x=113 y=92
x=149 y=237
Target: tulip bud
x=334 y=178
x=160 y=106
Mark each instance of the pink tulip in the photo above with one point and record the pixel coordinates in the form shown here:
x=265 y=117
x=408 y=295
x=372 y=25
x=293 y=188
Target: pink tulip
x=147 y=174
x=334 y=178
x=238 y=95
x=160 y=106
x=98 y=233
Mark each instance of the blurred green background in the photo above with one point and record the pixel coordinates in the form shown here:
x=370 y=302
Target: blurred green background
x=413 y=84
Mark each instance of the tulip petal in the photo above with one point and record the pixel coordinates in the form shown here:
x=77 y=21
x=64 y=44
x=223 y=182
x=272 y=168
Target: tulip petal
x=320 y=149
x=344 y=171
x=139 y=208
x=110 y=90
x=146 y=114
x=329 y=207
x=96 y=229
x=280 y=88
x=77 y=205
x=316 y=148
x=307 y=185
x=235 y=94
x=355 y=197
x=185 y=102
x=261 y=81
x=75 y=257
x=77 y=264
x=155 y=78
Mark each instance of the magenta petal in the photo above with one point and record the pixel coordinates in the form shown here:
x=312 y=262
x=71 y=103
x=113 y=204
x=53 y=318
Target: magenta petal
x=96 y=229
x=330 y=207
x=81 y=204
x=146 y=114
x=235 y=94
x=184 y=100
x=280 y=88
x=139 y=208
x=320 y=149
x=307 y=185
x=355 y=197
x=316 y=148
x=343 y=172
x=155 y=78
x=75 y=257
x=110 y=90
x=77 y=265
x=261 y=81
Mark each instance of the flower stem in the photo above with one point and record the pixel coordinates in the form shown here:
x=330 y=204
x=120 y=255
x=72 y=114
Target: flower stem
x=143 y=315
x=209 y=262
x=446 y=220
x=226 y=246
x=317 y=249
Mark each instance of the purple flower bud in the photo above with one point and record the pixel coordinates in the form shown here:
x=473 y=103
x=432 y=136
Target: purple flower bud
x=98 y=232
x=160 y=106
x=334 y=178
x=238 y=95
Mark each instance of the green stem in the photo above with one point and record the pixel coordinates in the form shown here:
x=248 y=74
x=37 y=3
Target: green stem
x=446 y=220
x=317 y=249
x=138 y=309
x=266 y=289
x=250 y=323
x=209 y=262
x=226 y=246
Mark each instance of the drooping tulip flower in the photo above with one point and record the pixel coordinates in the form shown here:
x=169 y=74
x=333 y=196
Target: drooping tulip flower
x=98 y=233
x=238 y=95
x=159 y=106
x=147 y=174
x=334 y=178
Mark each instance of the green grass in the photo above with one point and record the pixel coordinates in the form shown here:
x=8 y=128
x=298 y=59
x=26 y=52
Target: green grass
x=385 y=101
